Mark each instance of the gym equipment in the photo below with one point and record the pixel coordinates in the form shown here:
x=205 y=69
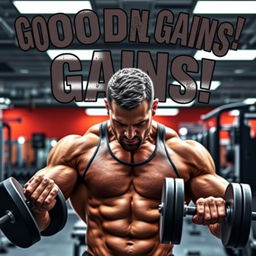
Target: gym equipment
x=4 y=123
x=17 y=221
x=38 y=144
x=2 y=170
x=240 y=138
x=205 y=139
x=38 y=140
x=212 y=143
x=234 y=231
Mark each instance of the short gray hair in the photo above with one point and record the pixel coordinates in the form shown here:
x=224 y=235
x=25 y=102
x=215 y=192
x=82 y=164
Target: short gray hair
x=128 y=87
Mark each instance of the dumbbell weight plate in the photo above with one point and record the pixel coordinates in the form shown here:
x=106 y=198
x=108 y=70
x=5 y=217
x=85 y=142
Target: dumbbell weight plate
x=247 y=218
x=230 y=229
x=166 y=211
x=172 y=211
x=178 y=209
x=24 y=232
x=58 y=216
x=234 y=231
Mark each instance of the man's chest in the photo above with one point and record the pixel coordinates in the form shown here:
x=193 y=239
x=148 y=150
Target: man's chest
x=114 y=175
x=112 y=171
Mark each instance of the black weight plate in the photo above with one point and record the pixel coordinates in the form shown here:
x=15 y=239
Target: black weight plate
x=247 y=216
x=178 y=211
x=167 y=211
x=24 y=232
x=230 y=229
x=58 y=214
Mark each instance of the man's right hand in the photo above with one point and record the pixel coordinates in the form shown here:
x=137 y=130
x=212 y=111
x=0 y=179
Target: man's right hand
x=41 y=191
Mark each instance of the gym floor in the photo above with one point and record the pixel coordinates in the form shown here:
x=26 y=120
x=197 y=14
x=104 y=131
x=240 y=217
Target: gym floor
x=196 y=241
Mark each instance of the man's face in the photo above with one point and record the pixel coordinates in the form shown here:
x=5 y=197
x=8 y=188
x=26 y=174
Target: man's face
x=131 y=127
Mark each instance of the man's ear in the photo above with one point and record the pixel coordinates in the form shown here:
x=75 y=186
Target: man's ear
x=107 y=105
x=154 y=106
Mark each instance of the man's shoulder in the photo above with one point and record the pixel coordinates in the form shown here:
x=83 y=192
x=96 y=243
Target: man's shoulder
x=69 y=148
x=183 y=147
x=94 y=130
x=174 y=141
x=192 y=154
x=189 y=151
x=169 y=132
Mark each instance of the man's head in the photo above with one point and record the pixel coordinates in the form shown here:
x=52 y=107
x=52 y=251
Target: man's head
x=129 y=87
x=130 y=104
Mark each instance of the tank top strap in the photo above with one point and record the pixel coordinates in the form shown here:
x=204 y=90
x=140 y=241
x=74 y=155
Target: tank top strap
x=161 y=141
x=102 y=138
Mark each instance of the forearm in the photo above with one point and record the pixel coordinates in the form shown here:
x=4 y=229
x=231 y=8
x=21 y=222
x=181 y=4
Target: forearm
x=42 y=219
x=215 y=229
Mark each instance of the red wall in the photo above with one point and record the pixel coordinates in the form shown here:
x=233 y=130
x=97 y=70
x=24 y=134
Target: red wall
x=54 y=122
x=58 y=122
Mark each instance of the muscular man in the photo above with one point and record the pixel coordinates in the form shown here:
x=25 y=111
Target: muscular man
x=113 y=174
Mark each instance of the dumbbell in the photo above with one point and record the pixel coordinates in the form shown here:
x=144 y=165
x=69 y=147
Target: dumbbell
x=234 y=231
x=17 y=221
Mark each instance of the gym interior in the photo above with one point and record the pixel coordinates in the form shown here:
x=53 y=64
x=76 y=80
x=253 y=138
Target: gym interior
x=33 y=119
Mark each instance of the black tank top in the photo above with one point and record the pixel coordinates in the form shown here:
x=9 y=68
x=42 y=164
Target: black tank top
x=160 y=152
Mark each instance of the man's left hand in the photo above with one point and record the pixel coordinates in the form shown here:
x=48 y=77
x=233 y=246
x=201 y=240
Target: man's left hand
x=210 y=210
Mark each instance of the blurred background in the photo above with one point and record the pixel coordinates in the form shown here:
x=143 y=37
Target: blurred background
x=32 y=120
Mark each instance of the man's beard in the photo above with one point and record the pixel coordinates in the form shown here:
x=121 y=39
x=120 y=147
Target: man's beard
x=130 y=147
x=133 y=147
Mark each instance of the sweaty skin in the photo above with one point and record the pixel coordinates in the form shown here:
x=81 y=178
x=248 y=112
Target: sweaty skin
x=120 y=203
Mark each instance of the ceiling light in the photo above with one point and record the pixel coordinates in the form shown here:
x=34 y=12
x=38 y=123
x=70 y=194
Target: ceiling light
x=2 y=100
x=81 y=54
x=96 y=112
x=234 y=112
x=225 y=7
x=44 y=7
x=21 y=140
x=4 y=103
x=159 y=112
x=167 y=112
x=24 y=71
x=53 y=142
x=250 y=101
x=171 y=103
x=214 y=84
x=7 y=101
x=183 y=131
x=100 y=103
x=238 y=71
x=88 y=104
x=231 y=55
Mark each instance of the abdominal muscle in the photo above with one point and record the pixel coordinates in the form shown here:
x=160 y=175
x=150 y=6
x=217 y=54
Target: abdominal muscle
x=123 y=226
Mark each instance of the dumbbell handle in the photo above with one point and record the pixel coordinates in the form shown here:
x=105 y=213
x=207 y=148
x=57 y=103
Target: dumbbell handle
x=191 y=210
x=7 y=218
